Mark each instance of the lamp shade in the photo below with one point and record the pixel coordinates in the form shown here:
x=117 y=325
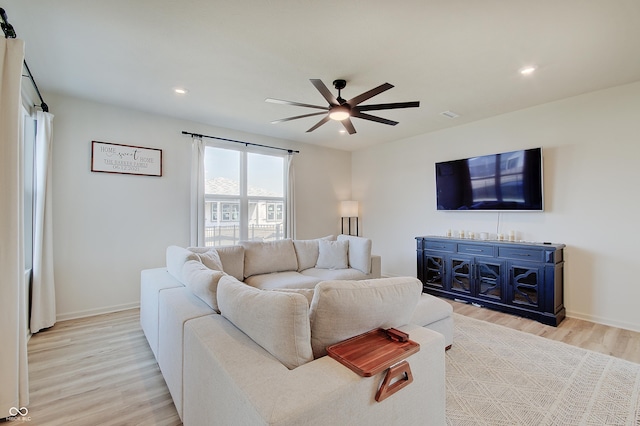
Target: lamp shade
x=349 y=208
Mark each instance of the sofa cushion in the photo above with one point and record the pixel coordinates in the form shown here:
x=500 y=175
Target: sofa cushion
x=335 y=274
x=307 y=252
x=332 y=254
x=287 y=279
x=359 y=252
x=277 y=321
x=176 y=258
x=271 y=256
x=232 y=258
x=211 y=259
x=343 y=309
x=202 y=281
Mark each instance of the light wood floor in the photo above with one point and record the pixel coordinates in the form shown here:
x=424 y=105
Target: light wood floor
x=101 y=371
x=612 y=341
x=97 y=371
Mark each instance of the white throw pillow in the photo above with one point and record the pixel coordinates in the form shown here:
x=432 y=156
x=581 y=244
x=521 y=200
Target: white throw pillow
x=202 y=281
x=343 y=309
x=359 y=252
x=332 y=254
x=211 y=259
x=267 y=257
x=277 y=321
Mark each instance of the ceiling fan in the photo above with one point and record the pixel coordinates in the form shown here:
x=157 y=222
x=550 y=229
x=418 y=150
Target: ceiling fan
x=342 y=110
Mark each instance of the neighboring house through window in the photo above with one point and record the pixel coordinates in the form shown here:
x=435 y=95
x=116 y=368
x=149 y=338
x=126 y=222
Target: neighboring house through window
x=244 y=196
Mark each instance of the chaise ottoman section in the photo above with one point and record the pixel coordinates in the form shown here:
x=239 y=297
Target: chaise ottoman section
x=435 y=314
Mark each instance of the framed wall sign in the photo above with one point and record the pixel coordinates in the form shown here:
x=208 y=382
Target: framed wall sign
x=125 y=159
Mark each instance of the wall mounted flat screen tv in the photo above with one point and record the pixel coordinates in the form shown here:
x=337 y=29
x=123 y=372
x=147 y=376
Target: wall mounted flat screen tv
x=509 y=181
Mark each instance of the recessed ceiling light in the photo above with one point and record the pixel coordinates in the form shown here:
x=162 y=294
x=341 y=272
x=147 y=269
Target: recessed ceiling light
x=343 y=131
x=527 y=70
x=180 y=91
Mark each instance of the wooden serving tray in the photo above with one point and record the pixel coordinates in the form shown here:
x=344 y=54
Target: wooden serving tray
x=372 y=352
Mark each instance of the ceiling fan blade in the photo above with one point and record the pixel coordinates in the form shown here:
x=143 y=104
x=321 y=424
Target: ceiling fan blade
x=279 y=101
x=324 y=91
x=369 y=94
x=378 y=107
x=348 y=125
x=373 y=118
x=282 y=120
x=320 y=123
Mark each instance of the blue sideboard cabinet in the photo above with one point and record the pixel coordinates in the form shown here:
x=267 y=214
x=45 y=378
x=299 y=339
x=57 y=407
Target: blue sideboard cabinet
x=519 y=278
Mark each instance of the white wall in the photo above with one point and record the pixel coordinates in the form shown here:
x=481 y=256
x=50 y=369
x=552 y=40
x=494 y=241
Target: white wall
x=108 y=227
x=591 y=152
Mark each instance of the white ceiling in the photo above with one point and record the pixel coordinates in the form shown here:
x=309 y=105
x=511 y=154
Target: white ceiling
x=458 y=55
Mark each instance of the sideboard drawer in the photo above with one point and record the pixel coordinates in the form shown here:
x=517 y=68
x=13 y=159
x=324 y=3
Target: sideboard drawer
x=534 y=255
x=439 y=245
x=478 y=250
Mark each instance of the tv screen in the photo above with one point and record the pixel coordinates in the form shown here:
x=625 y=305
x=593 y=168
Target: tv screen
x=509 y=181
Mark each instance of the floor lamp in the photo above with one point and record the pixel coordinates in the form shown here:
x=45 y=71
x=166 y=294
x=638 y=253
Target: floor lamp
x=348 y=210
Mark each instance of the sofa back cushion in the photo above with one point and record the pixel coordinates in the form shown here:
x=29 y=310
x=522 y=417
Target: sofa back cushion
x=232 y=258
x=267 y=257
x=176 y=257
x=307 y=252
x=202 y=281
x=359 y=252
x=343 y=309
x=277 y=321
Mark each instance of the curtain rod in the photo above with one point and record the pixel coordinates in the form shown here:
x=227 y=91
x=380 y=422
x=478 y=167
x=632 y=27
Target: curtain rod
x=290 y=151
x=10 y=32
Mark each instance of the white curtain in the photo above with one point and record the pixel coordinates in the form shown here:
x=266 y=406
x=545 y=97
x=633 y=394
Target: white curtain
x=14 y=382
x=43 y=298
x=197 y=192
x=290 y=217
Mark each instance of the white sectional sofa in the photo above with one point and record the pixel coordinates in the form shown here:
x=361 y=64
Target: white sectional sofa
x=223 y=361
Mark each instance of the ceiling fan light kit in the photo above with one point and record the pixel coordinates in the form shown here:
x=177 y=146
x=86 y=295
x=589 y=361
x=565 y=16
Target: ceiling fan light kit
x=339 y=113
x=342 y=110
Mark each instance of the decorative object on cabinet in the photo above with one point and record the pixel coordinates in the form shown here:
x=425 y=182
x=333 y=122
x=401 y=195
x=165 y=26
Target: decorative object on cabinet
x=520 y=278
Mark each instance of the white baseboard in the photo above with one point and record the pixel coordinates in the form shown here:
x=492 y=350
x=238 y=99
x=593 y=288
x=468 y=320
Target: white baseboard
x=97 y=311
x=603 y=321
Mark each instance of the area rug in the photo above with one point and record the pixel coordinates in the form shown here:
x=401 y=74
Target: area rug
x=499 y=376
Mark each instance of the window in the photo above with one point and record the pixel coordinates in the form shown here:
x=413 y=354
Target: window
x=230 y=212
x=274 y=212
x=244 y=196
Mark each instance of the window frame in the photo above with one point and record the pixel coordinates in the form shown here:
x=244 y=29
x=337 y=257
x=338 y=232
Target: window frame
x=244 y=200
